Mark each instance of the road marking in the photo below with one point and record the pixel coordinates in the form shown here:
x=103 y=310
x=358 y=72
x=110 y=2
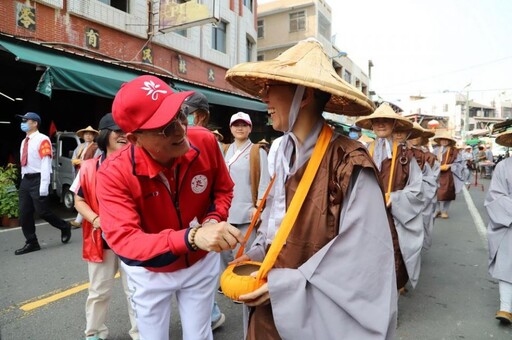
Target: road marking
x=52 y=298
x=479 y=223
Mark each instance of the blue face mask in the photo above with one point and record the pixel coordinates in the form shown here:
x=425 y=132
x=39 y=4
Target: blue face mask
x=353 y=135
x=190 y=120
x=24 y=127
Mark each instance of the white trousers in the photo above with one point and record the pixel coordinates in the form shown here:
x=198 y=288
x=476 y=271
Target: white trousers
x=505 y=296
x=194 y=288
x=101 y=281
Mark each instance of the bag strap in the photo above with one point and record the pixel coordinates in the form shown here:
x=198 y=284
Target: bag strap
x=225 y=148
x=392 y=174
x=255 y=217
x=254 y=171
x=296 y=203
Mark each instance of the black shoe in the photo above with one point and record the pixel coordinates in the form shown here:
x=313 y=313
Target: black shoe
x=65 y=233
x=28 y=248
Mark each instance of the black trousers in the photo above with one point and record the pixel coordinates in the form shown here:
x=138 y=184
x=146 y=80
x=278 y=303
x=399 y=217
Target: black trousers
x=31 y=202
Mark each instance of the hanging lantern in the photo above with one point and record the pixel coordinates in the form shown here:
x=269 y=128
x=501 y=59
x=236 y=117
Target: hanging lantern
x=433 y=124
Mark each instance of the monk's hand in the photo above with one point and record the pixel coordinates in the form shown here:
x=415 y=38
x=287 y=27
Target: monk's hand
x=217 y=237
x=242 y=258
x=259 y=297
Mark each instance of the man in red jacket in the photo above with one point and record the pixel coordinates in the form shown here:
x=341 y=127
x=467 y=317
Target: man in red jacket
x=164 y=200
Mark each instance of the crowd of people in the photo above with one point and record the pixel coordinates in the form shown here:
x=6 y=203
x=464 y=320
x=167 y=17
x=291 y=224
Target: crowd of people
x=162 y=200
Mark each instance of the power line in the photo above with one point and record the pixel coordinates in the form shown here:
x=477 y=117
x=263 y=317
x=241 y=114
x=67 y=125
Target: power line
x=451 y=72
x=438 y=92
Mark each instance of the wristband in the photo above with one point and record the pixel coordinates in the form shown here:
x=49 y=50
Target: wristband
x=192 y=242
x=94 y=219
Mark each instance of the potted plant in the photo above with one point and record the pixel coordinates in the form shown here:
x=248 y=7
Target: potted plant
x=9 y=209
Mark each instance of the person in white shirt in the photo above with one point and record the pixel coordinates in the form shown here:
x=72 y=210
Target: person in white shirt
x=36 y=167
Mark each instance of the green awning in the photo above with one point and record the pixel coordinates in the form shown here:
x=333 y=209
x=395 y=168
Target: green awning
x=70 y=73
x=222 y=98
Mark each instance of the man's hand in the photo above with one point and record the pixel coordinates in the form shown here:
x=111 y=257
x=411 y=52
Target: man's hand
x=217 y=237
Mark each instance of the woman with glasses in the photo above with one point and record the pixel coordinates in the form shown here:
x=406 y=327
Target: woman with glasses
x=164 y=201
x=102 y=263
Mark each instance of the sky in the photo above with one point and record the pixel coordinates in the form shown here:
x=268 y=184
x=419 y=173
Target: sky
x=424 y=47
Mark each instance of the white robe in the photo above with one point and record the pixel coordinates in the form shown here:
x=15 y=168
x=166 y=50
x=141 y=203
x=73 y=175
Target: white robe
x=498 y=203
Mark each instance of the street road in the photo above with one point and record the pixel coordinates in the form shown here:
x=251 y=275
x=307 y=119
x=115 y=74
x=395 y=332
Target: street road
x=42 y=294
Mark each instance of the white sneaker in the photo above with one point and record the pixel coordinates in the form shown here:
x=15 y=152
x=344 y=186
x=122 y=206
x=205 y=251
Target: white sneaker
x=219 y=322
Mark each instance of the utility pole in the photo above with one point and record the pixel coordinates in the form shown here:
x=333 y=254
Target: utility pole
x=466 y=113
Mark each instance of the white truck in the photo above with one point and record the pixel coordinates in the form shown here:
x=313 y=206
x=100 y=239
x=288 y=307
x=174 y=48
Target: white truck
x=63 y=143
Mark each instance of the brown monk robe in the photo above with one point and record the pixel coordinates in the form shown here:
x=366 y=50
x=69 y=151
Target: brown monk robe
x=315 y=227
x=446 y=191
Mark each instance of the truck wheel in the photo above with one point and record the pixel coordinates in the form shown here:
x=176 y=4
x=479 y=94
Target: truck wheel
x=68 y=198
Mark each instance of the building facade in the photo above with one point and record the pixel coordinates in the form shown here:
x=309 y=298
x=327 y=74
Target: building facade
x=450 y=109
x=66 y=59
x=283 y=23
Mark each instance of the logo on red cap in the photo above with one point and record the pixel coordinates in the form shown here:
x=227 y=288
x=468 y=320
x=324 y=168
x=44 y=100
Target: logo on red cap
x=152 y=89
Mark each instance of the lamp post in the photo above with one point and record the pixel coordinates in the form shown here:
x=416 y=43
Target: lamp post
x=466 y=112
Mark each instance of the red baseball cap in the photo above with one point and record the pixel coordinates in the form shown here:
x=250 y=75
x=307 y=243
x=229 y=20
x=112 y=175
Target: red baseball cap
x=146 y=103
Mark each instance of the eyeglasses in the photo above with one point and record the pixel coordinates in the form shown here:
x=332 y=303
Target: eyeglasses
x=172 y=127
x=265 y=89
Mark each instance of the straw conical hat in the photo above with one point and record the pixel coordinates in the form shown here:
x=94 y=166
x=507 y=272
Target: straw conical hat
x=425 y=133
x=80 y=133
x=505 y=138
x=444 y=135
x=303 y=64
x=216 y=132
x=385 y=111
x=263 y=141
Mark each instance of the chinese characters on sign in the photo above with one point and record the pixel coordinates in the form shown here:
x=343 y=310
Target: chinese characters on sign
x=147 y=55
x=211 y=75
x=92 y=38
x=26 y=16
x=182 y=65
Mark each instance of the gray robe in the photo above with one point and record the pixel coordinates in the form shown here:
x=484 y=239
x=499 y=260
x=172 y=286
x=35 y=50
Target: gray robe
x=498 y=203
x=329 y=296
x=406 y=208
x=430 y=185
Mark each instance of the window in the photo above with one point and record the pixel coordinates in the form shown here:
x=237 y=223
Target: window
x=183 y=33
x=248 y=4
x=260 y=57
x=219 y=37
x=261 y=29
x=297 y=21
x=324 y=26
x=347 y=76
x=250 y=47
x=445 y=108
x=119 y=4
